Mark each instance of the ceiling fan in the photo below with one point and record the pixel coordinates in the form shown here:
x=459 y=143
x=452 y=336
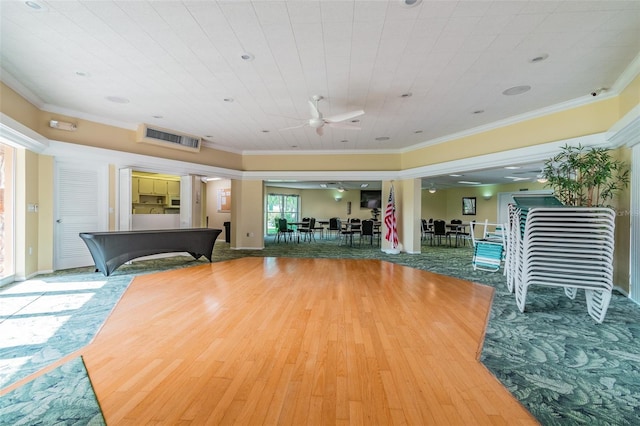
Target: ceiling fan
x=317 y=120
x=334 y=185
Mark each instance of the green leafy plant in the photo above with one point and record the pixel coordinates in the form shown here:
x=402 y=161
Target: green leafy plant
x=585 y=177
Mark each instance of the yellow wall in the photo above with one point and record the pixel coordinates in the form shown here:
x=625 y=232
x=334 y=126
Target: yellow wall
x=630 y=97
x=45 y=213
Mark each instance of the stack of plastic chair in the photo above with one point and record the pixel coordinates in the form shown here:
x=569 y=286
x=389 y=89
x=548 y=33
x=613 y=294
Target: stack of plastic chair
x=569 y=247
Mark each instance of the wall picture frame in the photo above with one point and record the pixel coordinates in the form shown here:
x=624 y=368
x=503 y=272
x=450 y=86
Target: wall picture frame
x=469 y=206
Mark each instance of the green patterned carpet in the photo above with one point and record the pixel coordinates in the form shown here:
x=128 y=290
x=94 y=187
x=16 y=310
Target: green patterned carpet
x=564 y=368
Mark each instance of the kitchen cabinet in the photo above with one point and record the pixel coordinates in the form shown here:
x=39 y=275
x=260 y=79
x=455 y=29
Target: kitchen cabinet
x=145 y=186
x=135 y=195
x=159 y=187
x=173 y=187
x=152 y=186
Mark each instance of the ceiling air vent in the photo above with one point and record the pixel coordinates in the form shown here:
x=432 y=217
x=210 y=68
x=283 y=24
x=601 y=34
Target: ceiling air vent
x=163 y=137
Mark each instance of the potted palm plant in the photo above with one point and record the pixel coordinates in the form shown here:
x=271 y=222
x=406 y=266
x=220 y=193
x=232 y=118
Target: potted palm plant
x=585 y=177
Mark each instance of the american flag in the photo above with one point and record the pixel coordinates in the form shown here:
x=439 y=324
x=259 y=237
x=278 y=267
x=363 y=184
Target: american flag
x=390 y=220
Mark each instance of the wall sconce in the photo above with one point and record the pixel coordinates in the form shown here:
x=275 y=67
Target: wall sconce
x=338 y=199
x=487 y=197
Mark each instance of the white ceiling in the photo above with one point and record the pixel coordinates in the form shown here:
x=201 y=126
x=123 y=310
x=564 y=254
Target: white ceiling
x=181 y=59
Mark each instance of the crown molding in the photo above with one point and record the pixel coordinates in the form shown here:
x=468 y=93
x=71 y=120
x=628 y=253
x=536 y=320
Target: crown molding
x=505 y=158
x=18 y=135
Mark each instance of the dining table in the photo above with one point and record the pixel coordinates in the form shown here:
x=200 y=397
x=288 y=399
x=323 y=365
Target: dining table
x=458 y=228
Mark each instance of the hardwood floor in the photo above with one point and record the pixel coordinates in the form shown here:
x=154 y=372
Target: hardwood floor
x=298 y=341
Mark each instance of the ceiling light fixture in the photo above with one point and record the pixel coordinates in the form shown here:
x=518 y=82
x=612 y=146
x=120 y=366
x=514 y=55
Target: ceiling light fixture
x=512 y=167
x=341 y=189
x=539 y=58
x=410 y=3
x=541 y=179
x=35 y=5
x=406 y=95
x=382 y=138
x=246 y=56
x=117 y=99
x=516 y=90
x=469 y=182
x=432 y=189
x=364 y=185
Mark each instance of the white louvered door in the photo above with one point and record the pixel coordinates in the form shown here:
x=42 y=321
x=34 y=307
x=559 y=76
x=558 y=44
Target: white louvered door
x=81 y=206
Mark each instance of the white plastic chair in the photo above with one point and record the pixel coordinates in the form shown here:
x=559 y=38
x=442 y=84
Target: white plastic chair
x=569 y=247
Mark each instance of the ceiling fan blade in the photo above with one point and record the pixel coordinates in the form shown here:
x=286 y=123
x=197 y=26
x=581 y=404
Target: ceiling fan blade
x=344 y=117
x=346 y=126
x=319 y=131
x=294 y=127
x=314 y=110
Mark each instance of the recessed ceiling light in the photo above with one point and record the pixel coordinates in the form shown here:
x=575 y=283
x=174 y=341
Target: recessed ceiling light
x=294 y=146
x=344 y=140
x=264 y=131
x=516 y=90
x=364 y=185
x=469 y=182
x=478 y=111
x=246 y=56
x=117 y=99
x=382 y=138
x=406 y=95
x=357 y=120
x=516 y=178
x=228 y=99
x=157 y=116
x=410 y=3
x=512 y=167
x=208 y=136
x=455 y=175
x=323 y=185
x=539 y=58
x=35 y=5
x=418 y=131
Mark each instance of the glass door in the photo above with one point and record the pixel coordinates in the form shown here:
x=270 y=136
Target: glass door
x=281 y=205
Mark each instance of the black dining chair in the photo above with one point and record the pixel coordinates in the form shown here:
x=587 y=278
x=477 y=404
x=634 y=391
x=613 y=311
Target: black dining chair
x=368 y=230
x=439 y=230
x=283 y=230
x=334 y=226
x=457 y=232
x=307 y=229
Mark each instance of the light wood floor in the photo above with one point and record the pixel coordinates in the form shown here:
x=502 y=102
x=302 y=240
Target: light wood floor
x=298 y=341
